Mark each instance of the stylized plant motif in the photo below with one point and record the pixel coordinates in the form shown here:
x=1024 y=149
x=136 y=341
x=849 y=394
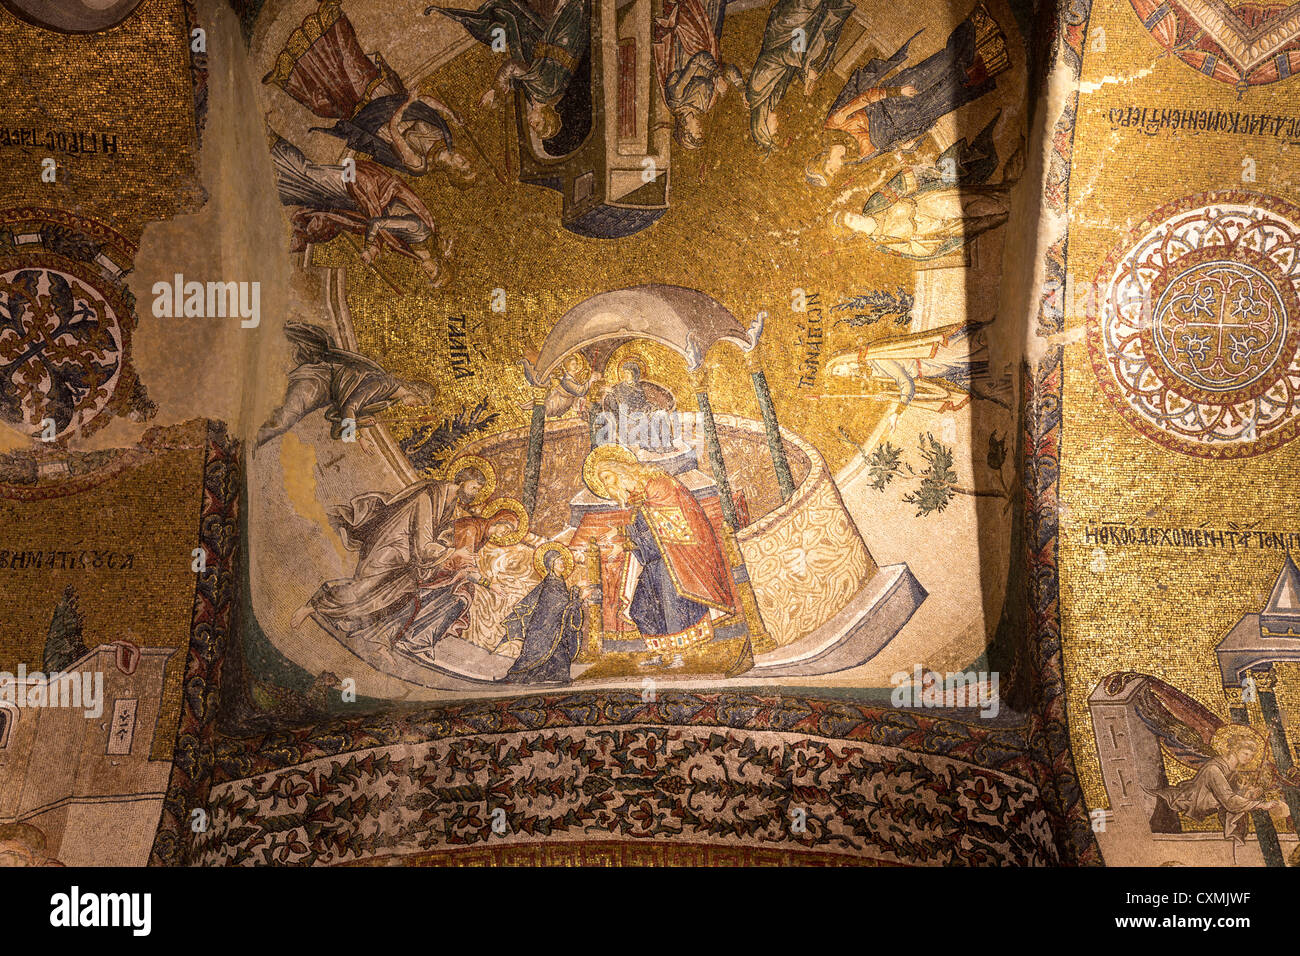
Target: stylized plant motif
x=1197 y=347
x=424 y=445
x=936 y=483
x=870 y=307
x=1242 y=347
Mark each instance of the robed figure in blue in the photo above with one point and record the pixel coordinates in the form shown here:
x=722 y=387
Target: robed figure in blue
x=548 y=623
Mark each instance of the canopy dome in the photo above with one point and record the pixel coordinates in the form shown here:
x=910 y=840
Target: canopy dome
x=667 y=314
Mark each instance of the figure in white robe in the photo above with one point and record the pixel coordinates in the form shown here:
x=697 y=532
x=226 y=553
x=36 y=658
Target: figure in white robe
x=932 y=224
x=939 y=370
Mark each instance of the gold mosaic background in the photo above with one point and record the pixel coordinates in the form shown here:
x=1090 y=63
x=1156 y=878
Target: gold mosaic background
x=132 y=82
x=1158 y=610
x=744 y=228
x=150 y=512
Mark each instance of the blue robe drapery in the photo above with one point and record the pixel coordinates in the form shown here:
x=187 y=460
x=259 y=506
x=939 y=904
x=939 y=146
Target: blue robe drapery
x=657 y=608
x=362 y=132
x=549 y=50
x=944 y=82
x=548 y=622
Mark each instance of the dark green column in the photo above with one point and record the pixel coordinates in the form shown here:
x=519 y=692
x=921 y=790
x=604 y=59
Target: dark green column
x=533 y=469
x=784 y=480
x=758 y=640
x=716 y=464
x=1265 y=685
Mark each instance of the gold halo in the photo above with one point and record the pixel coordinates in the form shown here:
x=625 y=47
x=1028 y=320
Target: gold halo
x=631 y=352
x=1219 y=742
x=33 y=838
x=600 y=456
x=539 y=558
x=484 y=466
x=586 y=364
x=516 y=508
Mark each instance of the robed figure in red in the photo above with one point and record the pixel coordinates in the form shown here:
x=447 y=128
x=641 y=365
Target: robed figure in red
x=676 y=580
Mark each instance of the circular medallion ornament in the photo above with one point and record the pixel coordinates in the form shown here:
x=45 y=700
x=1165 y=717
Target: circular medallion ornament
x=1242 y=44
x=1196 y=336
x=61 y=344
x=66 y=318
x=73 y=16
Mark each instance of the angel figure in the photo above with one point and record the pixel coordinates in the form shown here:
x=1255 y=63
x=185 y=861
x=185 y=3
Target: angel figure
x=1231 y=762
x=1221 y=786
x=570 y=386
x=349 y=386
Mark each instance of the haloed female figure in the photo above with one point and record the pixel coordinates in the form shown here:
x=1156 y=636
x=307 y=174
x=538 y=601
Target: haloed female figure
x=548 y=623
